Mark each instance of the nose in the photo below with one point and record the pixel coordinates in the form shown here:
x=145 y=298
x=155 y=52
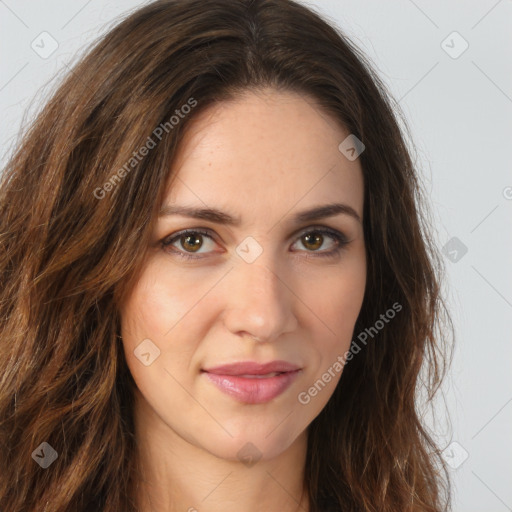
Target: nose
x=260 y=301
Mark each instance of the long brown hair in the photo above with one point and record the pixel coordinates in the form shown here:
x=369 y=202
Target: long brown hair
x=78 y=199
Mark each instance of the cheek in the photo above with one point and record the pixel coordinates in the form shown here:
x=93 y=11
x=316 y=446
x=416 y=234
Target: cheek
x=336 y=303
x=157 y=308
x=159 y=303
x=338 y=297
x=337 y=306
x=160 y=306
x=344 y=307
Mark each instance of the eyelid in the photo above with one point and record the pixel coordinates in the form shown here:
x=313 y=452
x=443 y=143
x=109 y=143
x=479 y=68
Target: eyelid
x=339 y=237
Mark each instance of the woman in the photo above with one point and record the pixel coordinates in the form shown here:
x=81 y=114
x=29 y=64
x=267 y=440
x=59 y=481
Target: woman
x=218 y=290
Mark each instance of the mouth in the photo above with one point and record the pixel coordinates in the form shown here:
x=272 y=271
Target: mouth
x=266 y=376
x=253 y=383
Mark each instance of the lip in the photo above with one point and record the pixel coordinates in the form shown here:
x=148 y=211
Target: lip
x=245 y=382
x=253 y=368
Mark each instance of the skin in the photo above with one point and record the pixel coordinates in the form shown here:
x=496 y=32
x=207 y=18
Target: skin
x=264 y=157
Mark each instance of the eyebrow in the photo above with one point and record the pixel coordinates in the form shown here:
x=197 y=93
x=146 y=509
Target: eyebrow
x=219 y=217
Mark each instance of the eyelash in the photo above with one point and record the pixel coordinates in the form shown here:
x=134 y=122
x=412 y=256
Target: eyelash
x=340 y=239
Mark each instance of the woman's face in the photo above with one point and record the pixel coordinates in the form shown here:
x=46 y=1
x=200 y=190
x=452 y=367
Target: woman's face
x=261 y=284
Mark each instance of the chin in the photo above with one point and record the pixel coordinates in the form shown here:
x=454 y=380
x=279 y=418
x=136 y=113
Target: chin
x=253 y=442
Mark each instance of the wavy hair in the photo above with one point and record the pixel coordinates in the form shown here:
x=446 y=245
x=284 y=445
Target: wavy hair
x=76 y=213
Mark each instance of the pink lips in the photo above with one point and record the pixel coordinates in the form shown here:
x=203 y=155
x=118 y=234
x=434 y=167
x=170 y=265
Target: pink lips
x=253 y=383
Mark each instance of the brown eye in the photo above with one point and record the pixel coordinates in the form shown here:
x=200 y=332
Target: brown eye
x=191 y=242
x=187 y=243
x=313 y=240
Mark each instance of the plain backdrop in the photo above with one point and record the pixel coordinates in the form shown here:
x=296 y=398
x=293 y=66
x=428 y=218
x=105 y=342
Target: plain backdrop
x=450 y=66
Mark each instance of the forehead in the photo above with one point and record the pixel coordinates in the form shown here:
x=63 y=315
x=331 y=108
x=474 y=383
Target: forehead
x=265 y=148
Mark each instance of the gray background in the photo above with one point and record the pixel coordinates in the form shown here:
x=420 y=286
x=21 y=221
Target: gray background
x=458 y=108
